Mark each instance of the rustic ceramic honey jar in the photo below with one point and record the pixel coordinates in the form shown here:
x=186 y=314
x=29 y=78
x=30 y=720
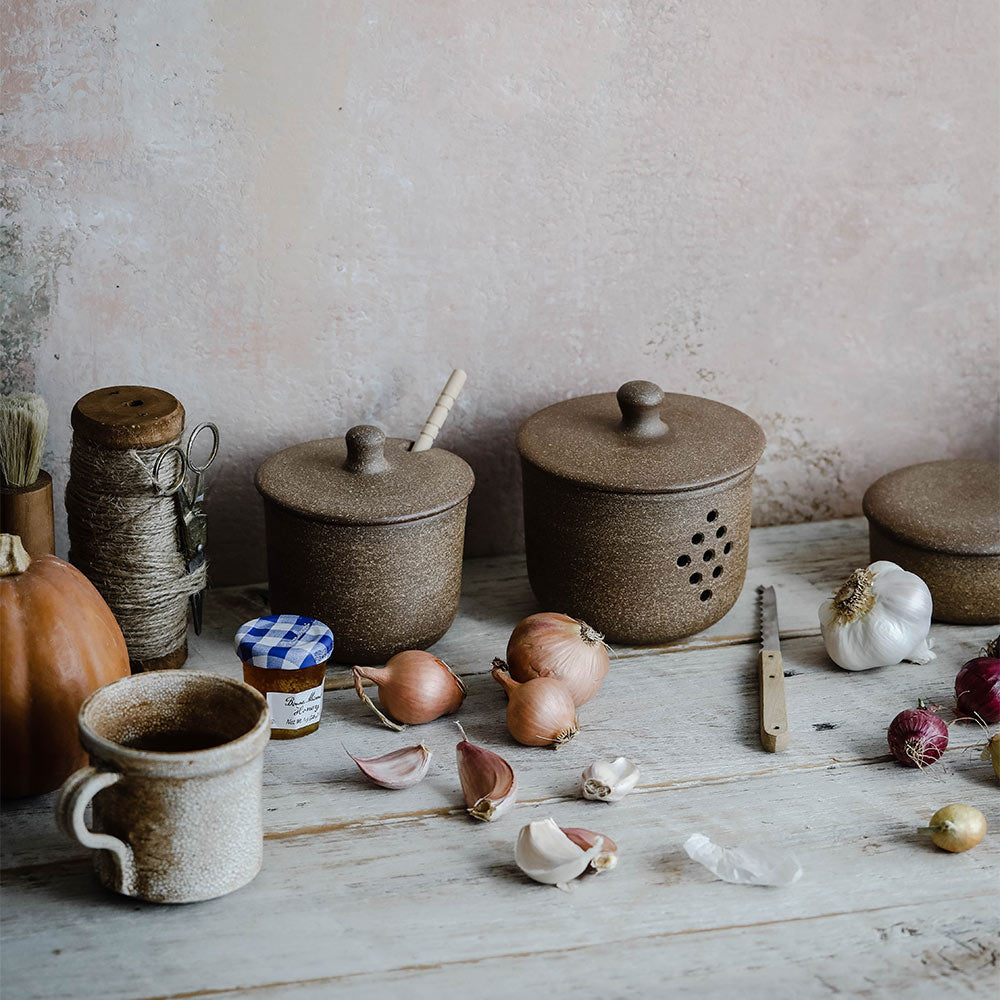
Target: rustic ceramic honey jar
x=366 y=536
x=941 y=520
x=637 y=509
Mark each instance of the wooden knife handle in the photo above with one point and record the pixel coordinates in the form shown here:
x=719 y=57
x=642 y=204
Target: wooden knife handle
x=773 y=713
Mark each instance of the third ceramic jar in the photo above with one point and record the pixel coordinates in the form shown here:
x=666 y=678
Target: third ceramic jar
x=637 y=509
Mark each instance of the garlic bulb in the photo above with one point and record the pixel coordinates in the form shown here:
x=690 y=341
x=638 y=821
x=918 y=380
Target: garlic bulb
x=609 y=781
x=547 y=855
x=399 y=769
x=880 y=616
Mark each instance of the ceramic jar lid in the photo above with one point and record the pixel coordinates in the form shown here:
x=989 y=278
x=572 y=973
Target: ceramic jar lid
x=364 y=478
x=641 y=440
x=950 y=506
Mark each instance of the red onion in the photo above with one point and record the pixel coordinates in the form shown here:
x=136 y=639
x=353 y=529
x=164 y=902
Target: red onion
x=977 y=686
x=917 y=737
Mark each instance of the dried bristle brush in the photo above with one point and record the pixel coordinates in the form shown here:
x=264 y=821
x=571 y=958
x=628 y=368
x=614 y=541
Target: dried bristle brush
x=25 y=488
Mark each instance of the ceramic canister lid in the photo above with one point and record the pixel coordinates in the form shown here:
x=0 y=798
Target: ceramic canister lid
x=641 y=440
x=284 y=642
x=364 y=478
x=949 y=506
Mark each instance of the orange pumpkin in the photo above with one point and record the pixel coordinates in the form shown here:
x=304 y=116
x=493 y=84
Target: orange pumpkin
x=58 y=642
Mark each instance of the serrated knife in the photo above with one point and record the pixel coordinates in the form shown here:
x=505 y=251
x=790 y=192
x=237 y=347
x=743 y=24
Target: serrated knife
x=773 y=713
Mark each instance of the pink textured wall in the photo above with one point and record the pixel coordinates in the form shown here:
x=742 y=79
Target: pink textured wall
x=298 y=216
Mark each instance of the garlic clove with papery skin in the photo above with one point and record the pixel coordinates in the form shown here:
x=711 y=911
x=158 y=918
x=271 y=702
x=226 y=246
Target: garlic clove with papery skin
x=399 y=769
x=488 y=781
x=607 y=857
x=609 y=781
x=544 y=853
x=879 y=617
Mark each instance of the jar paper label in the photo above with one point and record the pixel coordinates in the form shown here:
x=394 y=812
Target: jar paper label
x=295 y=711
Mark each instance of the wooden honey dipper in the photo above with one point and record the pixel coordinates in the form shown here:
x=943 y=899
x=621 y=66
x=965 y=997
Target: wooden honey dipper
x=440 y=412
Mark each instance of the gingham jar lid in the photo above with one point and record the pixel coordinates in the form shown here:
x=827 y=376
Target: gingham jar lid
x=284 y=642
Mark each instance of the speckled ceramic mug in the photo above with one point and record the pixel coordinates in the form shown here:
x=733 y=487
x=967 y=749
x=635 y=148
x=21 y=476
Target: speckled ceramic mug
x=176 y=760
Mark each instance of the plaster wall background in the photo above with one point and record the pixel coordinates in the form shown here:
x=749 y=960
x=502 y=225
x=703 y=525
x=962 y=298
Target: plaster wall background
x=299 y=216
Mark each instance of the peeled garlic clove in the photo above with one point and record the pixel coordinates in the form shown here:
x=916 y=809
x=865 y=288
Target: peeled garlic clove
x=607 y=857
x=399 y=769
x=609 y=781
x=547 y=855
x=488 y=781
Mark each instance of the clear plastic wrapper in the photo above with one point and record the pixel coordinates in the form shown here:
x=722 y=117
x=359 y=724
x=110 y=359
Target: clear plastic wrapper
x=744 y=864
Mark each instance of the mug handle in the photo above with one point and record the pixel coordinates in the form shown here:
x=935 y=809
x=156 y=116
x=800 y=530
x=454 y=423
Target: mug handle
x=74 y=797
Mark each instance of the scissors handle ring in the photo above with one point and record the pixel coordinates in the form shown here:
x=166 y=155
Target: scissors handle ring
x=176 y=484
x=215 y=446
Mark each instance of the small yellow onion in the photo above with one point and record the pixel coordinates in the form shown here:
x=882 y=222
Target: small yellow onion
x=555 y=645
x=413 y=687
x=956 y=828
x=540 y=712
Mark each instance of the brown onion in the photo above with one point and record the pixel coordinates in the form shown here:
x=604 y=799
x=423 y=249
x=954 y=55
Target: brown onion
x=540 y=712
x=555 y=645
x=413 y=687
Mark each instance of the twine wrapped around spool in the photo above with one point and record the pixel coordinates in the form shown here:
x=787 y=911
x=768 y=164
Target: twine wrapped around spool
x=123 y=532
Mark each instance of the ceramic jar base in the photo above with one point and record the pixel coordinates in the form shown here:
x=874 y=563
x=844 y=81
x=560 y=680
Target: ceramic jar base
x=965 y=588
x=382 y=588
x=641 y=568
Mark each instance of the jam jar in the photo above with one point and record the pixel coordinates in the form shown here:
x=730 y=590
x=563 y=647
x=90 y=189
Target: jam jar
x=284 y=658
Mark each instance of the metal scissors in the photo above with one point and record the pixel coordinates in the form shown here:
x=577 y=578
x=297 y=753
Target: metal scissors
x=191 y=517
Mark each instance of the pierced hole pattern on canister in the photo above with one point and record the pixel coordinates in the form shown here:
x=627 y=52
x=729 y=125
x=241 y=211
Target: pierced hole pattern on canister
x=708 y=555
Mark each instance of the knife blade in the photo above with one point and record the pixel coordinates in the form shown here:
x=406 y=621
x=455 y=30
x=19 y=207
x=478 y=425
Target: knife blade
x=774 y=734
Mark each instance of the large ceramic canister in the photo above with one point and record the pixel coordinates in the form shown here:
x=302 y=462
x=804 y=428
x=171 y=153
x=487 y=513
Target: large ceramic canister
x=366 y=536
x=637 y=509
x=941 y=520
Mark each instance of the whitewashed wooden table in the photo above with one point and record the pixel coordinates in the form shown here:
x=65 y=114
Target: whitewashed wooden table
x=367 y=892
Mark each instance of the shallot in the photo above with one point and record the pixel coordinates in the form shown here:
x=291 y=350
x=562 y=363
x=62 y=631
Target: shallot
x=956 y=828
x=555 y=645
x=540 y=712
x=917 y=737
x=413 y=687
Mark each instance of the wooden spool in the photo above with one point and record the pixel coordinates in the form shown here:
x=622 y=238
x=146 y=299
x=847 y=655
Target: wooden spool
x=27 y=511
x=120 y=417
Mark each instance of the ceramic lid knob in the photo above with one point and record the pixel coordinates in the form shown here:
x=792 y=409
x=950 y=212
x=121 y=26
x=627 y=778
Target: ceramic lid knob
x=640 y=405
x=365 y=450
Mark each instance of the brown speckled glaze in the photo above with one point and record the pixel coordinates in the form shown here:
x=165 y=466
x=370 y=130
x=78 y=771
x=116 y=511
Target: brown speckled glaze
x=170 y=827
x=367 y=537
x=640 y=563
x=941 y=520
